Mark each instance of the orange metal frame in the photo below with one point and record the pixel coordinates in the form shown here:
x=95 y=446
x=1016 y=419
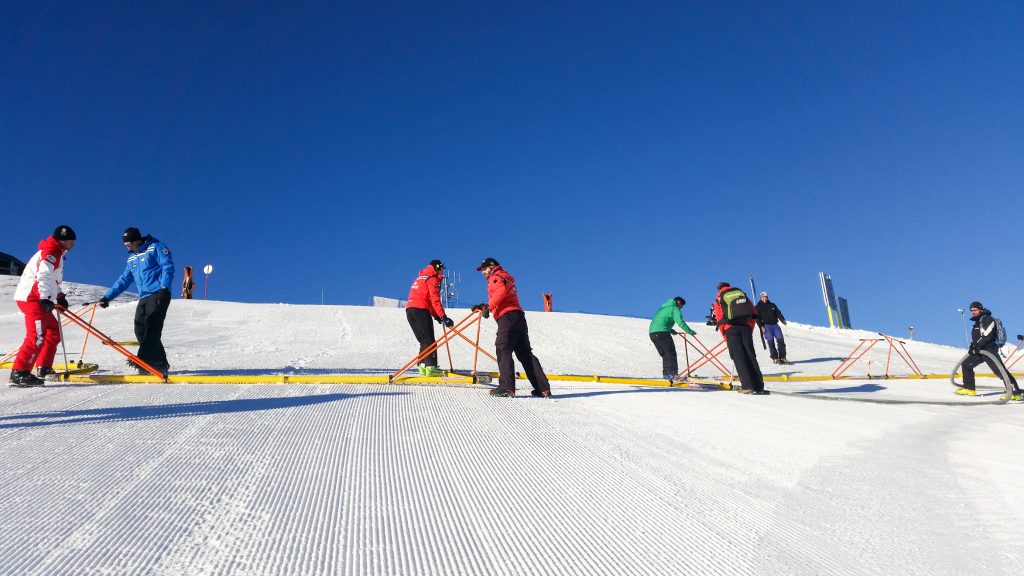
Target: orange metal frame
x=449 y=335
x=1015 y=350
x=104 y=339
x=894 y=345
x=708 y=356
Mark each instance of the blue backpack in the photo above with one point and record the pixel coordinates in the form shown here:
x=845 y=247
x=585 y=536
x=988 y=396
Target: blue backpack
x=1000 y=332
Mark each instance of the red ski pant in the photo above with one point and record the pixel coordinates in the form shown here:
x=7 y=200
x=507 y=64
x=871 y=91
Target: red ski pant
x=42 y=334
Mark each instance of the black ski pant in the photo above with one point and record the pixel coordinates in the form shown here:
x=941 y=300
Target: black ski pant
x=667 y=350
x=423 y=327
x=740 y=340
x=978 y=359
x=149 y=328
x=514 y=337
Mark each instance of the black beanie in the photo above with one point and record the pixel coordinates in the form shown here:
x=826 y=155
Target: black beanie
x=680 y=301
x=64 y=233
x=131 y=234
x=977 y=305
x=487 y=263
x=436 y=264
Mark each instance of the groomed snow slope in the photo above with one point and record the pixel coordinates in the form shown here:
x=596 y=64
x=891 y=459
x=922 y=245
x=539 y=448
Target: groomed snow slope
x=388 y=479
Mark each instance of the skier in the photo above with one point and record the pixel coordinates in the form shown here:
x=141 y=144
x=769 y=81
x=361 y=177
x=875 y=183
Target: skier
x=768 y=318
x=37 y=294
x=513 y=333
x=151 y=269
x=187 y=284
x=661 y=333
x=423 y=304
x=983 y=337
x=736 y=321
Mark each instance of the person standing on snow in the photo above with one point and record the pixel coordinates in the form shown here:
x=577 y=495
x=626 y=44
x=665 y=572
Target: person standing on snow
x=187 y=284
x=768 y=318
x=37 y=294
x=736 y=321
x=424 y=304
x=661 y=333
x=513 y=333
x=151 y=269
x=983 y=338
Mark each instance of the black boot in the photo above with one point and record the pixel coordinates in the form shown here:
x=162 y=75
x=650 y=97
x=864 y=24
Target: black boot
x=43 y=371
x=24 y=379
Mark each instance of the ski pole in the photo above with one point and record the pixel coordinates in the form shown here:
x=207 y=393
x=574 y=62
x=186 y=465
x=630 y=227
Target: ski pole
x=67 y=367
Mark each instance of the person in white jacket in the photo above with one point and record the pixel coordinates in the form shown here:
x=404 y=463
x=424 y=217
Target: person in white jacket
x=38 y=293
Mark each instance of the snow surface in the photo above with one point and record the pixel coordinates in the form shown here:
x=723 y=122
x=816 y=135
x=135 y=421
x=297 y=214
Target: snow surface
x=391 y=479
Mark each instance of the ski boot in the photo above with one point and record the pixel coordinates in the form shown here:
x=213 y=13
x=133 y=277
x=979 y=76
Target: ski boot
x=422 y=369
x=499 y=393
x=1016 y=396
x=24 y=379
x=965 y=391
x=43 y=371
x=433 y=372
x=541 y=393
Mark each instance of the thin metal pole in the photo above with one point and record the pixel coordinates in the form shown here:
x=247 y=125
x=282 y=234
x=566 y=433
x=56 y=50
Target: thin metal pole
x=67 y=368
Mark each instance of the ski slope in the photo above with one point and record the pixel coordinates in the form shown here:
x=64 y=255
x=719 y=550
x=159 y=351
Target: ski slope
x=389 y=479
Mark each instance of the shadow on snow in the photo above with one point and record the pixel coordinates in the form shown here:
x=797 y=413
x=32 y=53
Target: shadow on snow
x=812 y=360
x=848 y=389
x=130 y=413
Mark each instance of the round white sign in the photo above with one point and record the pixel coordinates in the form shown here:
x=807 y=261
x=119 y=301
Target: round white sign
x=208 y=269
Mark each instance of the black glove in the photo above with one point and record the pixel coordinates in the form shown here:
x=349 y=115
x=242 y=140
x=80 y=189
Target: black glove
x=972 y=350
x=163 y=296
x=486 y=310
x=104 y=302
x=62 y=301
x=46 y=304
x=446 y=321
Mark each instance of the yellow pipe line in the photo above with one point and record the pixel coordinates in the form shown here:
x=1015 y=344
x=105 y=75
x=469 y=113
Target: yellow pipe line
x=382 y=379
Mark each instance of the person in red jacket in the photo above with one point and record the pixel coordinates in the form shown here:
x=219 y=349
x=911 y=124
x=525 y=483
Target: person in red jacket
x=423 y=304
x=736 y=321
x=37 y=294
x=513 y=334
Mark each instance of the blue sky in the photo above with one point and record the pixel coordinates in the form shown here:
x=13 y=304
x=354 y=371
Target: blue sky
x=616 y=154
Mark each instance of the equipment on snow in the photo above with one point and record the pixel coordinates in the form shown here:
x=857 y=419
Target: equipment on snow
x=103 y=338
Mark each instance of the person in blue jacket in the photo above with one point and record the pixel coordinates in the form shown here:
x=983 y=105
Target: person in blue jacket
x=151 y=269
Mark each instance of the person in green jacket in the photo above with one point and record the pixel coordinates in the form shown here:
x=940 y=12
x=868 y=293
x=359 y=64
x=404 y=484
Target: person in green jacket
x=662 y=333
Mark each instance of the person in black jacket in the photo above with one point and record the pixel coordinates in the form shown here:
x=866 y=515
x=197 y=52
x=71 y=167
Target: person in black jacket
x=768 y=318
x=983 y=337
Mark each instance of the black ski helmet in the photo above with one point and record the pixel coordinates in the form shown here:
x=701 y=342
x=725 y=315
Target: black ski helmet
x=63 y=232
x=131 y=234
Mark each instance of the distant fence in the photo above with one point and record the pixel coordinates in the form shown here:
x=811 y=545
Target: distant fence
x=382 y=302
